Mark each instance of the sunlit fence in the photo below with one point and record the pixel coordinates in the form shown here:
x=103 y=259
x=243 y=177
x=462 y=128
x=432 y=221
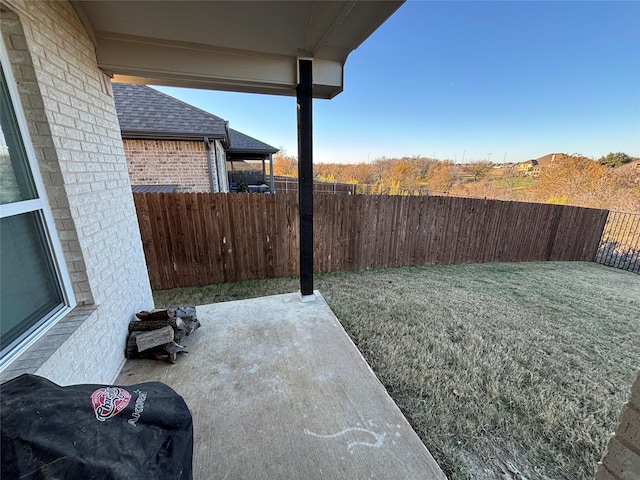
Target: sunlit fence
x=206 y=238
x=620 y=243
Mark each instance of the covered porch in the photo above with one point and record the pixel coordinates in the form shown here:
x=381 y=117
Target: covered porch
x=278 y=390
x=276 y=387
x=240 y=53
x=249 y=164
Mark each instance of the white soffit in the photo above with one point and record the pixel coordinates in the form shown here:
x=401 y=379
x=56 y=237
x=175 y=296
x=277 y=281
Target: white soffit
x=244 y=46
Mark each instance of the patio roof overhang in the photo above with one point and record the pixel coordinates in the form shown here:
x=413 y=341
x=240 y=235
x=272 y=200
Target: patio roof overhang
x=251 y=46
x=295 y=48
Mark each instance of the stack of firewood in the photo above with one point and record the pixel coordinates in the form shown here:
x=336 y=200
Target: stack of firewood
x=158 y=334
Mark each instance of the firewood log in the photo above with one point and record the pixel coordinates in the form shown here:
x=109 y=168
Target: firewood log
x=153 y=338
x=156 y=333
x=145 y=325
x=156 y=314
x=187 y=313
x=192 y=326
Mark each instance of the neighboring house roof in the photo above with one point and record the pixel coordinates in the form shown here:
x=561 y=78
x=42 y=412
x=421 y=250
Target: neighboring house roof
x=526 y=164
x=551 y=157
x=541 y=162
x=154 y=188
x=244 y=143
x=147 y=113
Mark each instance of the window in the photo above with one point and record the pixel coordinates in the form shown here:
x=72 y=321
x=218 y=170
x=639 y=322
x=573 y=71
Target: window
x=34 y=285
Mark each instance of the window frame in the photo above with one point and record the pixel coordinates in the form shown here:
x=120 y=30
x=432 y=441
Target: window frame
x=41 y=207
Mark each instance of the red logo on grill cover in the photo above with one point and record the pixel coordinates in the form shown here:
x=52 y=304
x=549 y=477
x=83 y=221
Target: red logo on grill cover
x=109 y=401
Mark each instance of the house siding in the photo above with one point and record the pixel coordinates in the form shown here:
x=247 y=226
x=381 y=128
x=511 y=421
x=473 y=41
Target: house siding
x=221 y=159
x=72 y=122
x=166 y=162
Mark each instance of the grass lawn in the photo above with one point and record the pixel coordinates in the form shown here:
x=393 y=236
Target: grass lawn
x=504 y=370
x=517 y=183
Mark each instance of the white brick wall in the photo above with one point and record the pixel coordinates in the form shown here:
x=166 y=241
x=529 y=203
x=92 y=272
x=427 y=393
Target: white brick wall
x=40 y=133
x=73 y=124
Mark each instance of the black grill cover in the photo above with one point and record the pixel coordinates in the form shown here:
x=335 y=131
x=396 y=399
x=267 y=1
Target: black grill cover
x=142 y=431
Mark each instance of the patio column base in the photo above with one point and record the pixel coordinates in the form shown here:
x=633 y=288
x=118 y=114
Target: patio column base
x=307 y=298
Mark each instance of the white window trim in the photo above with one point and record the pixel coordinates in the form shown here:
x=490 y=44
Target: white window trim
x=41 y=206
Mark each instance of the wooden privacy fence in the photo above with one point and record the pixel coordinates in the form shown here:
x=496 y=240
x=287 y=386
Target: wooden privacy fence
x=205 y=238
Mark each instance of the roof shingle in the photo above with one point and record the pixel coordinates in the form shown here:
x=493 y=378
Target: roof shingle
x=154 y=188
x=244 y=143
x=147 y=113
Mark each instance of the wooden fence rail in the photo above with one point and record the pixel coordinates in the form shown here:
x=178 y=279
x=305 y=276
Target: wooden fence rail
x=205 y=238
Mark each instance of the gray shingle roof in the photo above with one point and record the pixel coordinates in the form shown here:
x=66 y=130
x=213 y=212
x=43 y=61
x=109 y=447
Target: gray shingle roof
x=244 y=143
x=147 y=113
x=154 y=188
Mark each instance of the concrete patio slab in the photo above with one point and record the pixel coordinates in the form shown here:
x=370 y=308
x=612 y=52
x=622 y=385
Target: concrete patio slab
x=277 y=390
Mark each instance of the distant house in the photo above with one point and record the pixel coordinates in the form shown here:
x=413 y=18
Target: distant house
x=533 y=168
x=247 y=159
x=525 y=168
x=173 y=146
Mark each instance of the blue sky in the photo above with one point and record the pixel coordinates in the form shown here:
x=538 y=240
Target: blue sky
x=513 y=79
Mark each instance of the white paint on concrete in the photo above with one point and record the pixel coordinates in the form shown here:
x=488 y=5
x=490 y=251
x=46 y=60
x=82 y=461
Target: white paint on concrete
x=379 y=437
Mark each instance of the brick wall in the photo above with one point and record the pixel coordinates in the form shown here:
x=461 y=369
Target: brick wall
x=74 y=128
x=622 y=458
x=166 y=162
x=41 y=138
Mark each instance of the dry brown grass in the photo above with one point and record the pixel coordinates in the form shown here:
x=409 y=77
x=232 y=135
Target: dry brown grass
x=504 y=370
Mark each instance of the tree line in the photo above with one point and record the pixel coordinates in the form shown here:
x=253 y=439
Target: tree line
x=611 y=182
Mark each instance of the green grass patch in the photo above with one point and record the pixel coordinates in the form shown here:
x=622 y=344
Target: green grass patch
x=517 y=183
x=225 y=292
x=502 y=369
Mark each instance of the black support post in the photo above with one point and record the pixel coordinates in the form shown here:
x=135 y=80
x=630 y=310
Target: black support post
x=304 y=92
